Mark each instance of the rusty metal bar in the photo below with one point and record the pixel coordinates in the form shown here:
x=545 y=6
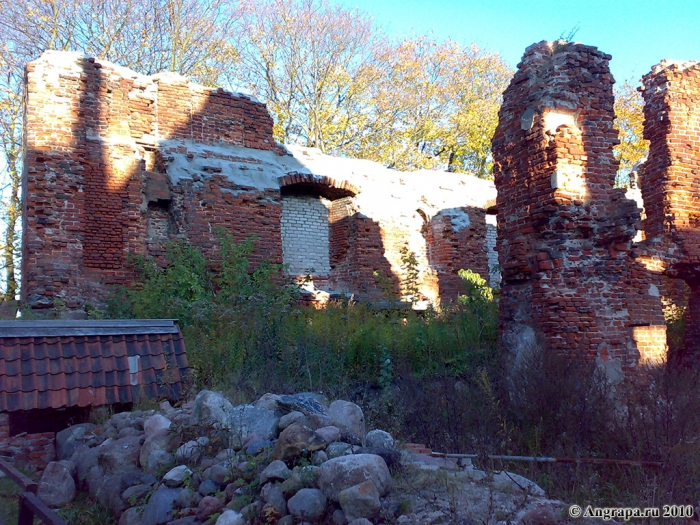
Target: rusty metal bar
x=30 y=506
x=541 y=459
x=23 y=481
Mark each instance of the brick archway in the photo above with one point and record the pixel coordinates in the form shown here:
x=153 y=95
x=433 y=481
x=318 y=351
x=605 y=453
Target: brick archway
x=309 y=184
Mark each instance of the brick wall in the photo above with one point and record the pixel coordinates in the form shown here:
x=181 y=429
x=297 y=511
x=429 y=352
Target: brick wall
x=119 y=163
x=26 y=450
x=670 y=182
x=305 y=237
x=570 y=280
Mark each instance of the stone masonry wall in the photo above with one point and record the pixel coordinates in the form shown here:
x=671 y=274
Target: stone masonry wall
x=119 y=163
x=670 y=182
x=570 y=284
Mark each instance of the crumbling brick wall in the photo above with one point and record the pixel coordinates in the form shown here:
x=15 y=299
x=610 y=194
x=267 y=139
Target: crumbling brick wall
x=118 y=163
x=670 y=182
x=570 y=282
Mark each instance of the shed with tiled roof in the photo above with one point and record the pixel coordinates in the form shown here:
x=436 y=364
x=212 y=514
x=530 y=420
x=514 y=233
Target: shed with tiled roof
x=49 y=369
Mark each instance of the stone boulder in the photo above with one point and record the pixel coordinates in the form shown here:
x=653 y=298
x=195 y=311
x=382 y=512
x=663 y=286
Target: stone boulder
x=248 y=421
x=360 y=501
x=211 y=409
x=57 y=486
x=69 y=439
x=120 y=456
x=160 y=506
x=341 y=473
x=348 y=417
x=307 y=505
x=296 y=441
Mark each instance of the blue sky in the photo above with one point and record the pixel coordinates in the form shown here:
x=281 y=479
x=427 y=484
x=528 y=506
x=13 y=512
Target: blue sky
x=638 y=34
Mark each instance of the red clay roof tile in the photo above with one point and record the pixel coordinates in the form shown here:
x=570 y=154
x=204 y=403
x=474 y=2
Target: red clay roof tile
x=50 y=365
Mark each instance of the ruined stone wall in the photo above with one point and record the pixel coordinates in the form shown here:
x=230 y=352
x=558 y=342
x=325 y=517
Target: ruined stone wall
x=670 y=182
x=119 y=163
x=570 y=282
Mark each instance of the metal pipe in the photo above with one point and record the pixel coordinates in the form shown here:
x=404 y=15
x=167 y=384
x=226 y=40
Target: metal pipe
x=540 y=459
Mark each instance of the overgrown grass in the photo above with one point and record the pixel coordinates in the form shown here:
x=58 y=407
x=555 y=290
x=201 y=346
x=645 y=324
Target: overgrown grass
x=434 y=377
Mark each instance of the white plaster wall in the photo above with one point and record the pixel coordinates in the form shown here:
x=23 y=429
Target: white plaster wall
x=305 y=235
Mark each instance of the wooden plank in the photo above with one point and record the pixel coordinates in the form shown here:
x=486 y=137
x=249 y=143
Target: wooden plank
x=23 y=481
x=37 y=508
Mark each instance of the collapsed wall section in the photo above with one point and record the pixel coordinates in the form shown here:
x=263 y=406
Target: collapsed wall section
x=569 y=285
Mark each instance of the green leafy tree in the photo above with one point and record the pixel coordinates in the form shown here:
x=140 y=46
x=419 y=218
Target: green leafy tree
x=629 y=121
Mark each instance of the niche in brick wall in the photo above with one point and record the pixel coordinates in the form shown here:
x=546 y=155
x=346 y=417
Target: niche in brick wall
x=305 y=234
x=314 y=236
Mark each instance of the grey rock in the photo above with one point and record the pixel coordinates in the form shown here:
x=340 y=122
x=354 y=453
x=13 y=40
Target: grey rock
x=131 y=516
x=340 y=473
x=120 y=456
x=360 y=501
x=510 y=482
x=379 y=439
x=318 y=458
x=192 y=450
x=122 y=420
x=160 y=506
x=160 y=440
x=188 y=498
x=128 y=431
x=57 y=487
x=230 y=517
x=391 y=457
x=337 y=449
x=218 y=474
x=329 y=434
x=111 y=495
x=226 y=454
x=189 y=520
x=348 y=417
x=177 y=476
x=275 y=471
x=207 y=487
x=308 y=504
x=293 y=417
x=209 y=505
x=286 y=520
x=84 y=464
x=339 y=518
x=211 y=410
x=305 y=402
x=67 y=440
x=360 y=521
x=257 y=448
x=156 y=423
x=291 y=486
x=247 y=420
x=135 y=493
x=297 y=441
x=307 y=476
x=275 y=504
x=94 y=481
x=316 y=421
x=159 y=460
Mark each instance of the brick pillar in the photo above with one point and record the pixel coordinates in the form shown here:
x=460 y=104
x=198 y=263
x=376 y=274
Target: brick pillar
x=564 y=232
x=670 y=180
